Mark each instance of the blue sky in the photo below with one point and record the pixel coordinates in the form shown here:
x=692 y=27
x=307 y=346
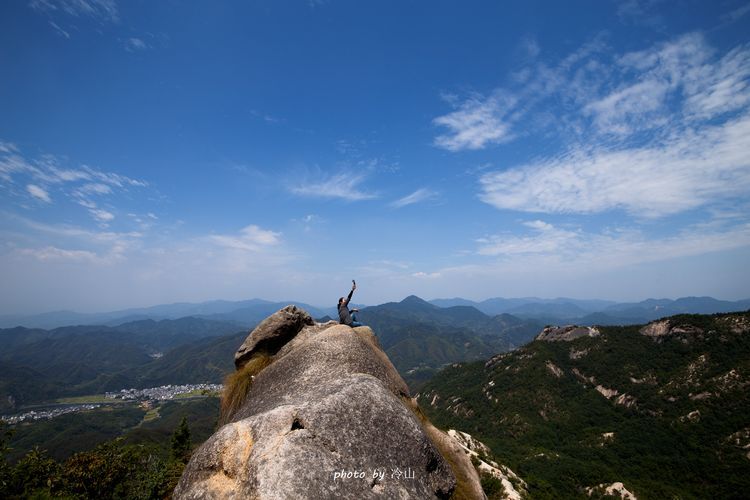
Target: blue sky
x=155 y=152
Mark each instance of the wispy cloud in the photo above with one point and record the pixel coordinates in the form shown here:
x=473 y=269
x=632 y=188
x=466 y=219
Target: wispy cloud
x=59 y=30
x=423 y=275
x=344 y=185
x=135 y=44
x=102 y=215
x=480 y=121
x=84 y=185
x=545 y=239
x=477 y=122
x=530 y=46
x=101 y=10
x=686 y=171
x=639 y=12
x=660 y=89
x=420 y=195
x=251 y=238
x=737 y=13
x=665 y=130
x=576 y=248
x=52 y=253
x=54 y=242
x=266 y=117
x=38 y=193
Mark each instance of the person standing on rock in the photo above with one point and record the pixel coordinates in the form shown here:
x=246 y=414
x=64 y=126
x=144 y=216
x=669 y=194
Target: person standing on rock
x=346 y=316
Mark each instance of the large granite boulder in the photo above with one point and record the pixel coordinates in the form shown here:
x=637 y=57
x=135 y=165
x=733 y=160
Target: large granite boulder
x=272 y=333
x=329 y=417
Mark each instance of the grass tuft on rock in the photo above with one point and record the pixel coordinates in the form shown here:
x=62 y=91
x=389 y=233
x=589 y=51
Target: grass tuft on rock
x=237 y=385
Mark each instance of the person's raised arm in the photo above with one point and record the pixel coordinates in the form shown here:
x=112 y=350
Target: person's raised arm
x=349 y=297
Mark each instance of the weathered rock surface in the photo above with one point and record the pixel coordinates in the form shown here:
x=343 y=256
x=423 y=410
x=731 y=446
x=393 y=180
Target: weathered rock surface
x=272 y=333
x=514 y=488
x=566 y=333
x=330 y=417
x=665 y=328
x=616 y=490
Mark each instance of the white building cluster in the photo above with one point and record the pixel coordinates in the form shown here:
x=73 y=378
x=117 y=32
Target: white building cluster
x=161 y=393
x=42 y=414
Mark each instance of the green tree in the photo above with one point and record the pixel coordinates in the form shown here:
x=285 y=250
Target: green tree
x=181 y=443
x=5 y=471
x=97 y=473
x=35 y=472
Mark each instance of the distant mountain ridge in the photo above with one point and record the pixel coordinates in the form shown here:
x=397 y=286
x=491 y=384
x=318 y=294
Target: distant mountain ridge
x=38 y=364
x=420 y=338
x=246 y=312
x=250 y=312
x=599 y=312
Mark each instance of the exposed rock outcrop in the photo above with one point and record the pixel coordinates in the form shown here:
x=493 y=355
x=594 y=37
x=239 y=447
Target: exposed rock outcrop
x=665 y=328
x=566 y=333
x=329 y=417
x=514 y=488
x=616 y=490
x=273 y=333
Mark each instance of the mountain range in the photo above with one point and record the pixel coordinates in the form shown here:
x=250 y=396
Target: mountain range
x=598 y=312
x=420 y=338
x=245 y=312
x=37 y=364
x=250 y=312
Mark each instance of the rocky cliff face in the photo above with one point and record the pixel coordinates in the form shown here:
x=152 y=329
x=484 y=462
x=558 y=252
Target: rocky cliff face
x=327 y=416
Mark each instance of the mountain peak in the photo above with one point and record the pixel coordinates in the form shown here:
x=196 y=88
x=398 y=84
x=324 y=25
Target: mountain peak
x=413 y=300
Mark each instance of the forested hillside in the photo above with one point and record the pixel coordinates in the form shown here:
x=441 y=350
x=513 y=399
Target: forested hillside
x=663 y=409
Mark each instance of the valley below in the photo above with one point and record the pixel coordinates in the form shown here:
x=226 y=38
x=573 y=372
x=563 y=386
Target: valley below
x=660 y=408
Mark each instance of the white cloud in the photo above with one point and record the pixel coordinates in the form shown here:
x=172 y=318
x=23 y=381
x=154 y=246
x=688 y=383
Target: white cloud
x=101 y=10
x=343 y=186
x=106 y=239
x=135 y=44
x=478 y=122
x=594 y=95
x=80 y=184
x=38 y=193
x=639 y=12
x=59 y=30
x=718 y=88
x=654 y=132
x=417 y=196
x=530 y=46
x=737 y=13
x=8 y=147
x=684 y=172
x=101 y=215
x=95 y=188
x=575 y=248
x=251 y=238
x=47 y=169
x=424 y=275
x=547 y=239
x=53 y=253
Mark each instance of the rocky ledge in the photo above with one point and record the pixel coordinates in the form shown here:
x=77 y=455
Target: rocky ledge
x=328 y=416
x=566 y=333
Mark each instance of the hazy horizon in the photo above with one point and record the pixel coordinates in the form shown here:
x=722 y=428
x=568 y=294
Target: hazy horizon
x=332 y=303
x=153 y=152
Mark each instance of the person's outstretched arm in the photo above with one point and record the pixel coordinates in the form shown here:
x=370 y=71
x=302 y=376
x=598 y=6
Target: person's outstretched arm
x=349 y=297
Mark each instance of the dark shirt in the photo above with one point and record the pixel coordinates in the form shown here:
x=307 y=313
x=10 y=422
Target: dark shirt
x=345 y=317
